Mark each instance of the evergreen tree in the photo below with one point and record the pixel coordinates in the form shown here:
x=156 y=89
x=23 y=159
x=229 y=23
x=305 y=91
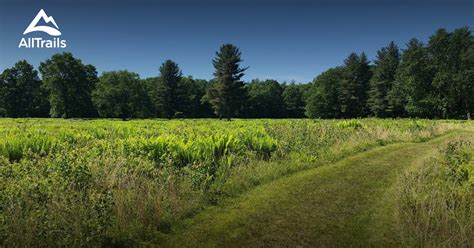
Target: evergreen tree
x=354 y=86
x=451 y=61
x=227 y=94
x=432 y=81
x=440 y=61
x=465 y=74
x=69 y=84
x=164 y=93
x=412 y=90
x=397 y=98
x=21 y=94
x=386 y=65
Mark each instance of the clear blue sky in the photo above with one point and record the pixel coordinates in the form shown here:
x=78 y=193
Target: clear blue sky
x=284 y=39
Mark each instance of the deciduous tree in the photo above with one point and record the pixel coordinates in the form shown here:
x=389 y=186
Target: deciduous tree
x=69 y=84
x=265 y=99
x=119 y=94
x=293 y=100
x=323 y=99
x=21 y=94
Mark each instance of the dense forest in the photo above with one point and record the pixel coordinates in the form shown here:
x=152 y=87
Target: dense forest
x=433 y=80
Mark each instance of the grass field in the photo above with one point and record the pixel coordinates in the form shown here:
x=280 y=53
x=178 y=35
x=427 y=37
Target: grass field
x=240 y=183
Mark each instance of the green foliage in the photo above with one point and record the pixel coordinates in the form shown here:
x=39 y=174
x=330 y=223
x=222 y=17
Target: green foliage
x=381 y=82
x=428 y=81
x=164 y=93
x=436 y=199
x=190 y=93
x=434 y=81
x=354 y=124
x=17 y=147
x=69 y=84
x=451 y=57
x=341 y=92
x=227 y=94
x=105 y=182
x=456 y=158
x=323 y=100
x=293 y=100
x=264 y=99
x=21 y=94
x=412 y=87
x=354 y=86
x=119 y=94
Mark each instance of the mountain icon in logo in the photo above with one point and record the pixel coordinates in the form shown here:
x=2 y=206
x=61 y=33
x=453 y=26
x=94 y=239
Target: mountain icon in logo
x=47 y=19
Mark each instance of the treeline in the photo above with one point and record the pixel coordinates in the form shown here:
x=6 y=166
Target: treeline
x=433 y=80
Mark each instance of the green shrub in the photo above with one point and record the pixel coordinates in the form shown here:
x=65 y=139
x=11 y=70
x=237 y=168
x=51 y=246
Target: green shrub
x=353 y=124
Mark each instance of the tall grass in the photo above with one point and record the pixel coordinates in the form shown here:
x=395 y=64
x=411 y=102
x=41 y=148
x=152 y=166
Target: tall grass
x=436 y=200
x=105 y=182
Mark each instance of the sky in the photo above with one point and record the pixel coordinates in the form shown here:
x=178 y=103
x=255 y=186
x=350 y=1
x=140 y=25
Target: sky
x=286 y=40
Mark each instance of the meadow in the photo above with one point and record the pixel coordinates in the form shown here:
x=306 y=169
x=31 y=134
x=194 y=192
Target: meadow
x=111 y=182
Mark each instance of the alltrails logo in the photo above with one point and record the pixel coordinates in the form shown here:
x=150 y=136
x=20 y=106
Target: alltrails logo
x=38 y=42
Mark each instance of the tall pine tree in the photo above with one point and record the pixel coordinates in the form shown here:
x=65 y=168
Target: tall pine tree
x=451 y=60
x=412 y=90
x=465 y=74
x=354 y=86
x=440 y=62
x=164 y=95
x=386 y=65
x=227 y=93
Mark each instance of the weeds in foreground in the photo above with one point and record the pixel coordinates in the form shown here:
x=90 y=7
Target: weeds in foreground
x=436 y=200
x=104 y=182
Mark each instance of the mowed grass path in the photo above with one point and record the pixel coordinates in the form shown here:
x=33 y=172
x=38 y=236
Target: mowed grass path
x=349 y=203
